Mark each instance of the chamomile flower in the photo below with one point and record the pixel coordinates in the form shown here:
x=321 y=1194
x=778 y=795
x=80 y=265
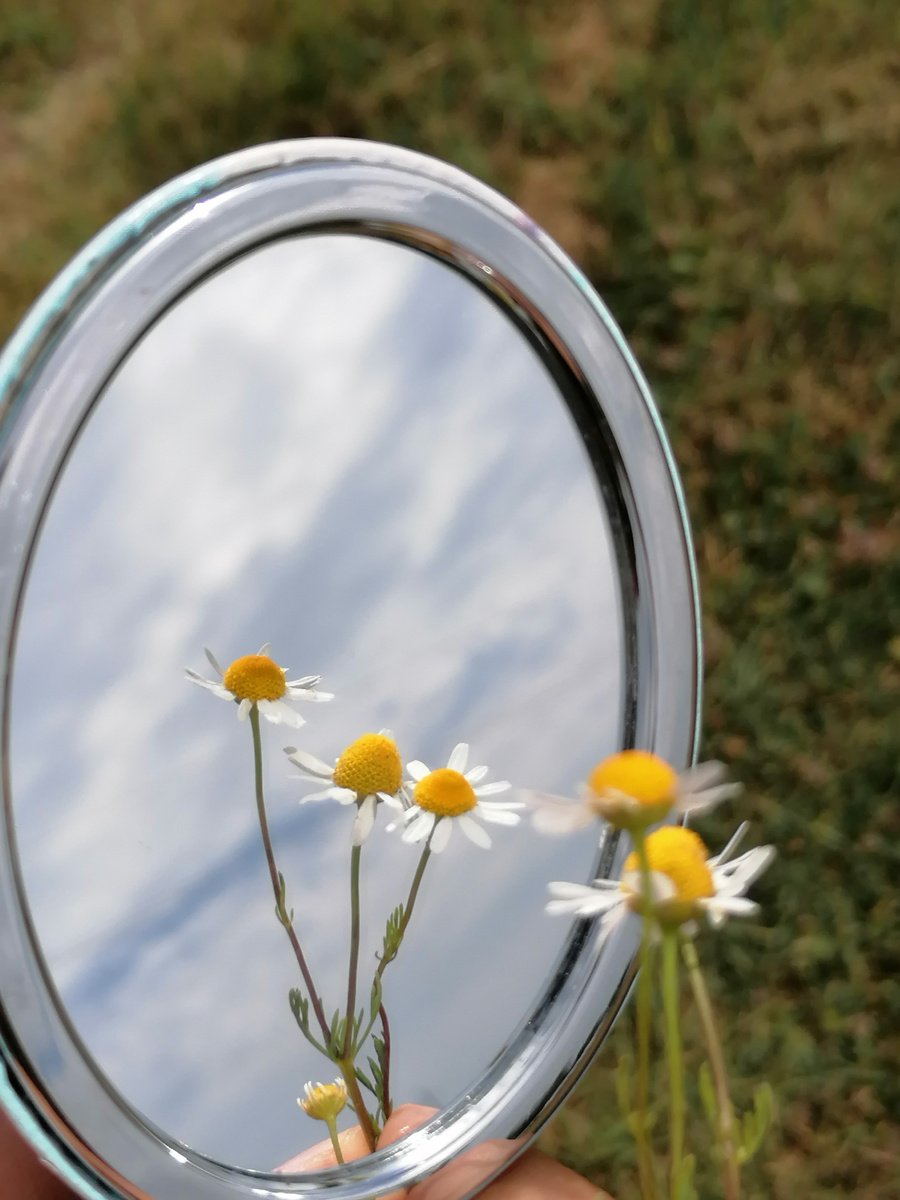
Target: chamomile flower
x=324 y=1101
x=453 y=796
x=633 y=790
x=257 y=680
x=685 y=884
x=369 y=770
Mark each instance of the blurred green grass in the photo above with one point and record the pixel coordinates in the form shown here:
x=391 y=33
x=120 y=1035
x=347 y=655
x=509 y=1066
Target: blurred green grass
x=729 y=175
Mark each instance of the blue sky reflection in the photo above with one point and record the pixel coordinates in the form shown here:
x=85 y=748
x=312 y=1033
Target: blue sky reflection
x=342 y=447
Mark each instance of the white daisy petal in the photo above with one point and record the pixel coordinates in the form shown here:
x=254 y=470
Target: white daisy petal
x=698 y=802
x=441 y=836
x=310 y=696
x=280 y=713
x=266 y=649
x=209 y=684
x=730 y=846
x=419 y=828
x=560 y=890
x=459 y=756
x=244 y=709
x=558 y=820
x=417 y=770
x=392 y=801
x=703 y=775
x=501 y=805
x=493 y=789
x=476 y=774
x=307 y=681
x=365 y=819
x=212 y=662
x=325 y=794
x=474 y=832
x=735 y=877
x=388 y=733
x=497 y=816
x=609 y=922
x=309 y=764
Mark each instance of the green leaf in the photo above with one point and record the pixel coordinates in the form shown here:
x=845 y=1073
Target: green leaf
x=392 y=936
x=708 y=1095
x=755 y=1123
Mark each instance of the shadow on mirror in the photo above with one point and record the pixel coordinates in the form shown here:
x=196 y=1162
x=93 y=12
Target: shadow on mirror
x=344 y=448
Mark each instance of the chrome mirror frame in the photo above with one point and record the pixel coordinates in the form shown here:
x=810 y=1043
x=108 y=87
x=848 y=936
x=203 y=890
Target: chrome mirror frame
x=52 y=373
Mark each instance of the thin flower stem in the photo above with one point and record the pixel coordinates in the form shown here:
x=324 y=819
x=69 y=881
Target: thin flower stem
x=674 y=1057
x=276 y=882
x=387 y=1106
x=355 y=855
x=347 y=1071
x=727 y=1124
x=410 y=903
x=335 y=1140
x=646 y=1167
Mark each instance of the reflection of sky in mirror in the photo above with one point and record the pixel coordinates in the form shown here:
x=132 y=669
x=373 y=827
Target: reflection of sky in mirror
x=342 y=447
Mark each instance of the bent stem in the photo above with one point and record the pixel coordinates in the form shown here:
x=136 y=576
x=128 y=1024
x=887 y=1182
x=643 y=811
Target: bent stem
x=674 y=1056
x=727 y=1125
x=335 y=1140
x=276 y=879
x=646 y=1168
x=349 y=1075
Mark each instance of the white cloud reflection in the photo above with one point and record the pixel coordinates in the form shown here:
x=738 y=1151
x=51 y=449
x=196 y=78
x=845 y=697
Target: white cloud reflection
x=340 y=446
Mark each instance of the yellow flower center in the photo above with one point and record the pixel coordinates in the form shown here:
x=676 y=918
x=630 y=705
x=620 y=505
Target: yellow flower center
x=680 y=855
x=255 y=677
x=643 y=776
x=446 y=793
x=324 y=1101
x=370 y=764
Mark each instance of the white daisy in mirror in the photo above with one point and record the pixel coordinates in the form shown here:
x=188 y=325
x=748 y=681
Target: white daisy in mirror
x=686 y=884
x=257 y=680
x=453 y=796
x=368 y=770
x=633 y=790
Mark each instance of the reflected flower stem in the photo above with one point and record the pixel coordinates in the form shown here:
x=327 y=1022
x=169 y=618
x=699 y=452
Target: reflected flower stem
x=285 y=919
x=727 y=1126
x=672 y=1015
x=646 y=1167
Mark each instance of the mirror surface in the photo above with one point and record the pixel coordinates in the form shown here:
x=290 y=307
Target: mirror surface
x=343 y=447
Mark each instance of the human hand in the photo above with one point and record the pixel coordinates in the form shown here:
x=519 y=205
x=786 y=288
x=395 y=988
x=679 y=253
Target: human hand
x=23 y=1176
x=534 y=1176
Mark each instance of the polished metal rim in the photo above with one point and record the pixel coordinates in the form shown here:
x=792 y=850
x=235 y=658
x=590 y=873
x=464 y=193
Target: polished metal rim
x=50 y=376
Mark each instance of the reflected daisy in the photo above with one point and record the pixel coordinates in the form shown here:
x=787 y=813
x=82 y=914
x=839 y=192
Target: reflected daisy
x=324 y=1101
x=255 y=679
x=453 y=796
x=685 y=884
x=369 y=770
x=633 y=790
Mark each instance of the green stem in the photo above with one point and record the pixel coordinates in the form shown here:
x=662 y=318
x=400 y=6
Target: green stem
x=674 y=1056
x=355 y=855
x=356 y=1099
x=644 y=1146
x=727 y=1124
x=410 y=904
x=276 y=879
x=335 y=1140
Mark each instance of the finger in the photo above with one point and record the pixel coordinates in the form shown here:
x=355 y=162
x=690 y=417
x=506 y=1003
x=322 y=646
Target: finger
x=316 y=1158
x=536 y=1177
x=404 y=1120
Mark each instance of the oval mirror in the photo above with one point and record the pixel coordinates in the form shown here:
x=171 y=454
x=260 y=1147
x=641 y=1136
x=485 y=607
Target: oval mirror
x=336 y=410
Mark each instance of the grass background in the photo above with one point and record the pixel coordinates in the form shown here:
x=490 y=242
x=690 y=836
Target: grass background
x=729 y=175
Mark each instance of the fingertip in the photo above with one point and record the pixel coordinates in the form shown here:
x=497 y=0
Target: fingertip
x=403 y=1120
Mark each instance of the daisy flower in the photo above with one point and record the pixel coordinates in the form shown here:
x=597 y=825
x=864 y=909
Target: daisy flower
x=452 y=792
x=634 y=789
x=685 y=884
x=324 y=1101
x=257 y=680
x=369 y=770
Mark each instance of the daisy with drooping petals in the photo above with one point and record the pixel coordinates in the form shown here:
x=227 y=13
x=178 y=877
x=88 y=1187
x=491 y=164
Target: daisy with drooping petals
x=324 y=1101
x=633 y=790
x=369 y=770
x=453 y=796
x=255 y=679
x=685 y=884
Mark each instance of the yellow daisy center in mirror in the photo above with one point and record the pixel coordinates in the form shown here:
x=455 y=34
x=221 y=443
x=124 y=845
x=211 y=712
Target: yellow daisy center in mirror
x=446 y=793
x=639 y=774
x=255 y=677
x=680 y=855
x=370 y=764
x=324 y=1101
